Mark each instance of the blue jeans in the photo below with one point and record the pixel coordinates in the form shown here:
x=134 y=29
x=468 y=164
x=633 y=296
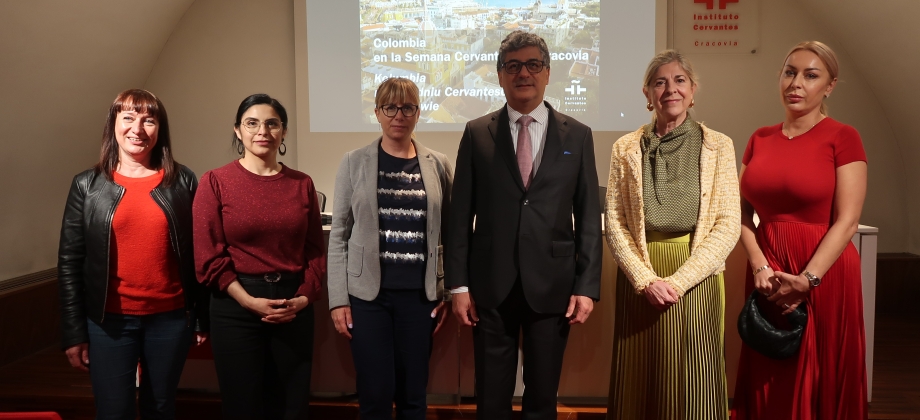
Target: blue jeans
x=159 y=341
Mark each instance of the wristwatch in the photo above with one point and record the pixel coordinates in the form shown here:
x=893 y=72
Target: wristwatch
x=813 y=280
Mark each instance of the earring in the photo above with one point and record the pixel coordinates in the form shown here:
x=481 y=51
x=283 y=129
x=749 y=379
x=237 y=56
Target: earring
x=283 y=149
x=239 y=147
x=692 y=103
x=648 y=106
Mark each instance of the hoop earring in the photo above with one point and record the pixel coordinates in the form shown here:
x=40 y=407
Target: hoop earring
x=648 y=106
x=282 y=149
x=239 y=147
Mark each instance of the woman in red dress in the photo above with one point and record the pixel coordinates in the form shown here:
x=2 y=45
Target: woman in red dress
x=806 y=179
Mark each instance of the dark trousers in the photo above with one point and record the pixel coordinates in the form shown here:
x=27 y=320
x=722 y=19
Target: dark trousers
x=263 y=369
x=495 y=343
x=159 y=341
x=391 y=345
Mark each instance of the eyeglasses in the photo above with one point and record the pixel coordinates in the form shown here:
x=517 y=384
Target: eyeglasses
x=391 y=110
x=252 y=126
x=515 y=66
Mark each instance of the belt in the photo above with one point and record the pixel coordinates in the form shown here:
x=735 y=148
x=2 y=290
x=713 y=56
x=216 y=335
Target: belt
x=271 y=278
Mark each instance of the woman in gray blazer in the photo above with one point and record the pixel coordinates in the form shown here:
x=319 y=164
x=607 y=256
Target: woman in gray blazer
x=386 y=274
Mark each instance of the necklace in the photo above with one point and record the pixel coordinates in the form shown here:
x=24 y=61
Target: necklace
x=797 y=135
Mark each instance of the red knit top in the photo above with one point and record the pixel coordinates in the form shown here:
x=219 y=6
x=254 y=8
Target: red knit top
x=252 y=224
x=143 y=271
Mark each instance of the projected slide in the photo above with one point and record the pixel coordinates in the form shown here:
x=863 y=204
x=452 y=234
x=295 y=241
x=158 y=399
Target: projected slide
x=449 y=48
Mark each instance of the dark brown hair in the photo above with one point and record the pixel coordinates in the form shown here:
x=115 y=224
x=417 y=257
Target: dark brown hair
x=519 y=40
x=249 y=102
x=141 y=101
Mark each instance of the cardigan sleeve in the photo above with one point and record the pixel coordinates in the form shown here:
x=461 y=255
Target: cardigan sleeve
x=620 y=201
x=709 y=256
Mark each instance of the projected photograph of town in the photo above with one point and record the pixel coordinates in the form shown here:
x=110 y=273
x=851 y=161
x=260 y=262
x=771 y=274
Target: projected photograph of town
x=449 y=49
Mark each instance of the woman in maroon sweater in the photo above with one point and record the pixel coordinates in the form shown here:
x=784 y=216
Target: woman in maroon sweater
x=259 y=245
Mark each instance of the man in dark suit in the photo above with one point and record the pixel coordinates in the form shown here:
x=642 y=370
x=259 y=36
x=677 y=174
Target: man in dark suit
x=524 y=244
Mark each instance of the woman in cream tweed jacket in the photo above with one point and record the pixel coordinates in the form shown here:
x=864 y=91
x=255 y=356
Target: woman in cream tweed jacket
x=718 y=227
x=671 y=245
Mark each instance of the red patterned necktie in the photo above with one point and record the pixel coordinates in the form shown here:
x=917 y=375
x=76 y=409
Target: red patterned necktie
x=525 y=150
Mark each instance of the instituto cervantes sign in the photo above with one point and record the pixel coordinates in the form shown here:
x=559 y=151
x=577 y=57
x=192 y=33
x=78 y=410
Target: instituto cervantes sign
x=716 y=26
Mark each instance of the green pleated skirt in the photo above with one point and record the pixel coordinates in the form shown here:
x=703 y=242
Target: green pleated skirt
x=669 y=365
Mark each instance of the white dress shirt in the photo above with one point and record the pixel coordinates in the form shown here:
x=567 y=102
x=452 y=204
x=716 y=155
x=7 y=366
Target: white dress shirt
x=537 y=130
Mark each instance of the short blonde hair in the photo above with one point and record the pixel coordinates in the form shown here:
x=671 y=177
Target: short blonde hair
x=397 y=90
x=666 y=57
x=827 y=56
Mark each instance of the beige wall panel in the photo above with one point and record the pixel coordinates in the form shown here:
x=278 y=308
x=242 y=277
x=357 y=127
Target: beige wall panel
x=221 y=52
x=61 y=65
x=882 y=41
x=740 y=93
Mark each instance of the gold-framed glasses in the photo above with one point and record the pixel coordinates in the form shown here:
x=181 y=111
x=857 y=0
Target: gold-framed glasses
x=252 y=125
x=391 y=110
x=514 y=66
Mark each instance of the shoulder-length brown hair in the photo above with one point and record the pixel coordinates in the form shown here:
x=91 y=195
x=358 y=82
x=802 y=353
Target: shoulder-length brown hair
x=140 y=101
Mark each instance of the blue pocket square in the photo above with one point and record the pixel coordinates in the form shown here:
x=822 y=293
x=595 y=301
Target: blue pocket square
x=566 y=152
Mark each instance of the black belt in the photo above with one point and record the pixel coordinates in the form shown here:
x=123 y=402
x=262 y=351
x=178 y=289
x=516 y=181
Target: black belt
x=271 y=278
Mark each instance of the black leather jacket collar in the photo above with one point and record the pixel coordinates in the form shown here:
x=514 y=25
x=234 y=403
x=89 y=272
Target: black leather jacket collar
x=83 y=256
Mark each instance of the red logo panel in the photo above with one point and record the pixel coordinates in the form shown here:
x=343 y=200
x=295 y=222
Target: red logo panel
x=710 y=5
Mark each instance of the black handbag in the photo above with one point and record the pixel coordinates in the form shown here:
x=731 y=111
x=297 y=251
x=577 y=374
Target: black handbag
x=767 y=339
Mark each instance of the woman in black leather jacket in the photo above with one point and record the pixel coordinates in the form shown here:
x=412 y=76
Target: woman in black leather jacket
x=125 y=269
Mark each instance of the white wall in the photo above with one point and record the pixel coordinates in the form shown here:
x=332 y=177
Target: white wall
x=61 y=65
x=883 y=42
x=221 y=52
x=741 y=93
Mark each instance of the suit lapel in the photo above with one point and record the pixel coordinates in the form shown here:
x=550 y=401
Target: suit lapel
x=504 y=146
x=556 y=133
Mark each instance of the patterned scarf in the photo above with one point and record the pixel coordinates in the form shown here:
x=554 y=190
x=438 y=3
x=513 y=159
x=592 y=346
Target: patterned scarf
x=671 y=176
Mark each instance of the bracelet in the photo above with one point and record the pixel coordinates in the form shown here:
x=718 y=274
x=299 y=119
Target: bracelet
x=757 y=270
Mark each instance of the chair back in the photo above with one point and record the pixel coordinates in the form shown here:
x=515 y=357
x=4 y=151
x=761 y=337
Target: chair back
x=321 y=199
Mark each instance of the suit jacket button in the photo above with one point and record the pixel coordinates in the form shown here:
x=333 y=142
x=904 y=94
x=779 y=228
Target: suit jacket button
x=526 y=202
